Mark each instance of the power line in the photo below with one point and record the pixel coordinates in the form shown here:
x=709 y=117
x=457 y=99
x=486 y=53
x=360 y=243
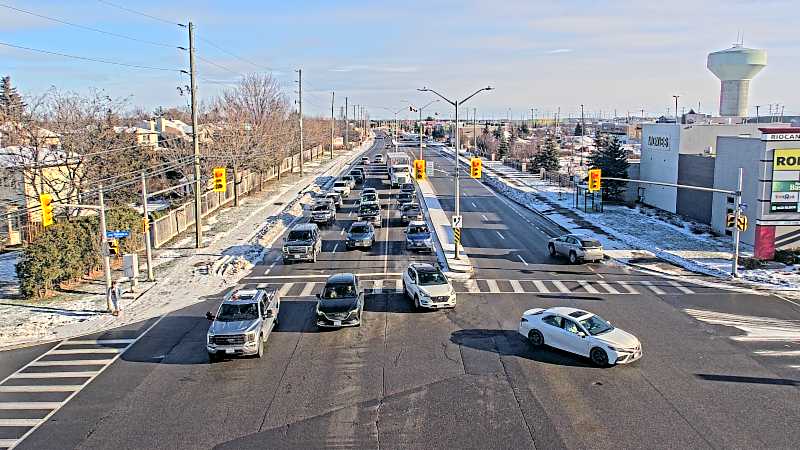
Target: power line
x=84 y=58
x=84 y=27
x=133 y=11
x=235 y=55
x=206 y=60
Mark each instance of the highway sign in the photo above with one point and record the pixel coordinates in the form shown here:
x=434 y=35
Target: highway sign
x=116 y=234
x=457 y=221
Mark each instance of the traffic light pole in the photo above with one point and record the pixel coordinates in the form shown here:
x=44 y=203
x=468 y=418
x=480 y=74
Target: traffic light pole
x=146 y=225
x=737 y=213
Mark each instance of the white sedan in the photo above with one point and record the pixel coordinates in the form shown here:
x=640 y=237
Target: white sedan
x=580 y=332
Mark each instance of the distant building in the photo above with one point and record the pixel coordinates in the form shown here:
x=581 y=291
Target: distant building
x=144 y=137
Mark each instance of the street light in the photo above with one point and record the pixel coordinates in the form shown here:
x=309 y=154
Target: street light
x=458 y=145
x=420 y=122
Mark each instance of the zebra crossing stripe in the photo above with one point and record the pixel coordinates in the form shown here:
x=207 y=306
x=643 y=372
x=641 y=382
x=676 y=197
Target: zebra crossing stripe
x=653 y=288
x=41 y=388
x=628 y=287
x=472 y=286
x=516 y=286
x=492 y=286
x=678 y=286
x=377 y=287
x=610 y=289
x=18 y=423
x=398 y=285
x=285 y=289
x=307 y=289
x=561 y=287
x=541 y=287
x=54 y=375
x=589 y=288
x=75 y=351
x=76 y=362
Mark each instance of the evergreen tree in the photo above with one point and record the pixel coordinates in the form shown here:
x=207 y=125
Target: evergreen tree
x=498 y=133
x=502 y=149
x=612 y=159
x=548 y=156
x=578 y=130
x=11 y=104
x=524 y=130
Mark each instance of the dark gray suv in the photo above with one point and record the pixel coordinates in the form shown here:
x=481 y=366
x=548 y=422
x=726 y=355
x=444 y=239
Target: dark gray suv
x=341 y=303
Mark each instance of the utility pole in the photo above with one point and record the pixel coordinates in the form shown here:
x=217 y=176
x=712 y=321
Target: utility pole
x=456 y=180
x=198 y=207
x=146 y=225
x=758 y=118
x=333 y=121
x=475 y=129
x=583 y=133
x=346 y=127
x=355 y=117
x=300 y=114
x=676 y=97
x=737 y=213
x=104 y=241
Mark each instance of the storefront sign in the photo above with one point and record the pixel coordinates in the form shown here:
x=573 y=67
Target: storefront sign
x=658 y=141
x=785 y=186
x=781 y=137
x=786 y=159
x=785 y=181
x=784 y=197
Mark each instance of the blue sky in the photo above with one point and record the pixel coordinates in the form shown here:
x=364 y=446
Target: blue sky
x=545 y=55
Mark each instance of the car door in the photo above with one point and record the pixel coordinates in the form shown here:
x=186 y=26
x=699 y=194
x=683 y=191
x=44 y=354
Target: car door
x=559 y=244
x=359 y=292
x=551 y=330
x=573 y=341
x=572 y=245
x=267 y=317
x=410 y=277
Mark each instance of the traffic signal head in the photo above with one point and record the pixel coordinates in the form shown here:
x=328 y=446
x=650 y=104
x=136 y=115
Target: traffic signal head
x=419 y=169
x=730 y=220
x=46 y=202
x=220 y=183
x=113 y=246
x=475 y=167
x=594 y=180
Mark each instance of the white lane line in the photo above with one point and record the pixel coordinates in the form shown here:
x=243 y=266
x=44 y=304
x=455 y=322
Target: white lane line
x=589 y=288
x=18 y=423
x=628 y=287
x=493 y=286
x=608 y=287
x=55 y=375
x=516 y=286
x=74 y=362
x=42 y=388
x=98 y=341
x=377 y=287
x=521 y=259
x=540 y=287
x=678 y=286
x=777 y=352
x=386 y=243
x=8 y=443
x=307 y=289
x=7 y=406
x=472 y=286
x=85 y=350
x=335 y=246
x=341 y=233
x=285 y=289
x=560 y=286
x=286 y=277
x=483 y=216
x=271 y=266
x=501 y=236
x=653 y=288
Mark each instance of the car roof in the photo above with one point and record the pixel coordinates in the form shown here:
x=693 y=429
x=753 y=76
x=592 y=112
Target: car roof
x=305 y=227
x=360 y=223
x=410 y=205
x=341 y=278
x=416 y=223
x=243 y=296
x=426 y=267
x=574 y=313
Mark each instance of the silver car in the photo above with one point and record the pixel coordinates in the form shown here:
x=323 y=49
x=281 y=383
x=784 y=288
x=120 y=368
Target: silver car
x=576 y=247
x=242 y=324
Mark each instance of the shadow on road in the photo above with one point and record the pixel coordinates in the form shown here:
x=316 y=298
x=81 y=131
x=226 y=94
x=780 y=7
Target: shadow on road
x=510 y=343
x=742 y=379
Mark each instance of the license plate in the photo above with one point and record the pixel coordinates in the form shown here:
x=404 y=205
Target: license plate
x=230 y=351
x=337 y=323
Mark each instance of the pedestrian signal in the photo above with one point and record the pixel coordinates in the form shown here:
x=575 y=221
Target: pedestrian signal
x=475 y=167
x=594 y=180
x=419 y=169
x=46 y=202
x=113 y=247
x=220 y=184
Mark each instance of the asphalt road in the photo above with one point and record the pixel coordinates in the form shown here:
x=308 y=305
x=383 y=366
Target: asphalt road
x=448 y=379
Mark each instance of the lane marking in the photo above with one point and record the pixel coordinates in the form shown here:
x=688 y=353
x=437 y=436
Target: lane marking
x=473 y=204
x=7 y=406
x=307 y=289
x=377 y=287
x=42 y=388
x=493 y=286
x=85 y=350
x=655 y=289
x=678 y=286
x=76 y=362
x=521 y=259
x=100 y=341
x=335 y=246
x=498 y=233
x=271 y=266
x=777 y=352
x=628 y=287
x=472 y=286
x=516 y=286
x=312 y=275
x=17 y=423
x=398 y=285
x=341 y=233
x=285 y=289
x=560 y=286
x=54 y=375
x=541 y=287
x=608 y=287
x=589 y=288
x=483 y=216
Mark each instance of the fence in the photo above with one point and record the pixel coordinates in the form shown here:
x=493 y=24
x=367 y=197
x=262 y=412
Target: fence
x=181 y=218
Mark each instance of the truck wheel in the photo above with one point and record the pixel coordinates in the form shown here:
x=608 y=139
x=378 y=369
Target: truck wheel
x=552 y=249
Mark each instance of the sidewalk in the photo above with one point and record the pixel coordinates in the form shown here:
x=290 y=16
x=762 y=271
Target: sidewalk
x=640 y=236
x=443 y=232
x=233 y=241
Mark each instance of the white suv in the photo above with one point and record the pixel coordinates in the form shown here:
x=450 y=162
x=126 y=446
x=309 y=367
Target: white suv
x=428 y=287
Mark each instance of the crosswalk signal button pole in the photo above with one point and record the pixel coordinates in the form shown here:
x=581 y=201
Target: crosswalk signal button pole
x=220 y=184
x=475 y=167
x=46 y=202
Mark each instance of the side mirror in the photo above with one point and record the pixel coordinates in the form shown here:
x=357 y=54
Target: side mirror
x=210 y=316
x=581 y=334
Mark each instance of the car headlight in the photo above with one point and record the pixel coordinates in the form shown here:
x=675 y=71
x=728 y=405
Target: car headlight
x=251 y=336
x=209 y=337
x=285 y=249
x=611 y=347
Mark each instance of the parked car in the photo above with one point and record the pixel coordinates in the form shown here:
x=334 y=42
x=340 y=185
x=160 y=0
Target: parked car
x=580 y=332
x=428 y=287
x=323 y=211
x=409 y=212
x=243 y=323
x=341 y=303
x=576 y=247
x=403 y=198
x=351 y=181
x=369 y=198
x=370 y=213
x=418 y=236
x=334 y=196
x=302 y=243
x=342 y=187
x=360 y=234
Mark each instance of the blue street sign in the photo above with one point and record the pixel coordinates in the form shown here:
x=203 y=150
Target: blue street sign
x=116 y=234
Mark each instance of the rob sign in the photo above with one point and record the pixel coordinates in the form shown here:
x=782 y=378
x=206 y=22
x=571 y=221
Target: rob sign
x=786 y=159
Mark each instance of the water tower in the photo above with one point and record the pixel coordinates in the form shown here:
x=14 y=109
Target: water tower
x=735 y=67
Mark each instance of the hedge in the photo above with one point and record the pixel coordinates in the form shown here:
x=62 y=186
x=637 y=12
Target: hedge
x=69 y=249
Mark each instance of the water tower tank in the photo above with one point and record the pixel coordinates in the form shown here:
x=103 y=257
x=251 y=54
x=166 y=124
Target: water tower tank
x=735 y=67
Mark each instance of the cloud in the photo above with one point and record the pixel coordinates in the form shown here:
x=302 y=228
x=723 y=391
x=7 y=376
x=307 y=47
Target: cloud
x=558 y=50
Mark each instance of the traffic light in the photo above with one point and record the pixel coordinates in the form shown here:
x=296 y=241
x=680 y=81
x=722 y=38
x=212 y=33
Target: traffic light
x=475 y=167
x=730 y=220
x=220 y=184
x=113 y=247
x=594 y=180
x=742 y=224
x=419 y=169
x=46 y=202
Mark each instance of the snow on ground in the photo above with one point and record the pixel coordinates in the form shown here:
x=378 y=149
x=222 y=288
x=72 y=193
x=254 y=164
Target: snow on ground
x=633 y=233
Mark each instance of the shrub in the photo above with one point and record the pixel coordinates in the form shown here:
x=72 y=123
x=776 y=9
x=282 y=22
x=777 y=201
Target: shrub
x=789 y=256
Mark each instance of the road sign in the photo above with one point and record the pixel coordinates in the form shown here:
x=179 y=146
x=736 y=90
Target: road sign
x=220 y=184
x=457 y=221
x=594 y=180
x=116 y=234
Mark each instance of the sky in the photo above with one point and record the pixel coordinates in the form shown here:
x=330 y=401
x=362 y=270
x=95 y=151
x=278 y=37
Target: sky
x=621 y=56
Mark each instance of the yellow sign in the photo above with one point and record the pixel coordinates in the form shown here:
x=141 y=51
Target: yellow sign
x=594 y=180
x=786 y=159
x=419 y=169
x=220 y=184
x=46 y=202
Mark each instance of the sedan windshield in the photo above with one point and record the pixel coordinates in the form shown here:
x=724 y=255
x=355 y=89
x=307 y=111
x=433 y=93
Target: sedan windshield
x=418 y=229
x=369 y=198
x=596 y=325
x=359 y=229
x=336 y=291
x=340 y=184
x=322 y=207
x=431 y=278
x=368 y=209
x=232 y=312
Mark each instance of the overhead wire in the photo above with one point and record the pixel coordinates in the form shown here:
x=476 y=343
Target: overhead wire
x=114 y=5
x=85 y=58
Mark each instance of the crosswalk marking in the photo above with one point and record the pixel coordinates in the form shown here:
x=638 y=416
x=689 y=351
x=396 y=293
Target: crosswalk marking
x=73 y=351
x=472 y=286
x=492 y=286
x=377 y=287
x=42 y=388
x=589 y=288
x=307 y=289
x=12 y=406
x=54 y=375
x=683 y=289
x=560 y=286
x=398 y=285
x=628 y=287
x=99 y=341
x=541 y=287
x=18 y=423
x=80 y=362
x=610 y=289
x=516 y=286
x=285 y=289
x=652 y=287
